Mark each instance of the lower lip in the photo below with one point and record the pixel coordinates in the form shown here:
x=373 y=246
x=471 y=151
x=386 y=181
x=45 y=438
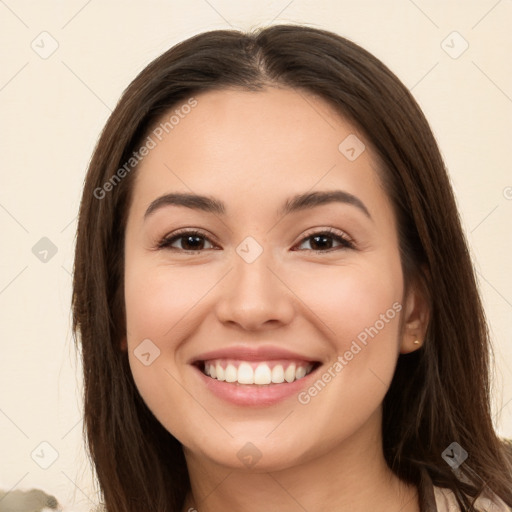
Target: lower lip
x=254 y=395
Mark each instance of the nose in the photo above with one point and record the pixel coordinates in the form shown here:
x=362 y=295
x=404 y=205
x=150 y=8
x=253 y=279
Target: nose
x=254 y=296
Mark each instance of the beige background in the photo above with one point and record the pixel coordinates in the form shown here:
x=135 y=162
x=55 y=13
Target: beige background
x=53 y=109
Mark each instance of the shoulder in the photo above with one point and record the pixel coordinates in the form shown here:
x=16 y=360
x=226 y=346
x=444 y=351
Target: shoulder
x=446 y=502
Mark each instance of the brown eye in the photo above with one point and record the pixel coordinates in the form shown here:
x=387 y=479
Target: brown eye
x=325 y=241
x=189 y=241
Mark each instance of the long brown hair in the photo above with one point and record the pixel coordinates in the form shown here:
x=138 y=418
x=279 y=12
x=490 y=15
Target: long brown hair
x=440 y=394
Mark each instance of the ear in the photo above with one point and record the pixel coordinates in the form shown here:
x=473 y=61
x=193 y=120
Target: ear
x=123 y=345
x=416 y=315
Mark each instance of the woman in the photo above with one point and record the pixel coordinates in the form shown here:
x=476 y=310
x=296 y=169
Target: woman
x=273 y=294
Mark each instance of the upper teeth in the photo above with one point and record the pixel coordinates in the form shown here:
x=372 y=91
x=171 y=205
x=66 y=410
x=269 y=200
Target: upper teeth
x=245 y=372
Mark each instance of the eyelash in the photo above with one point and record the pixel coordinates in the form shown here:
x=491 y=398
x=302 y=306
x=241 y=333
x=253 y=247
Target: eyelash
x=342 y=238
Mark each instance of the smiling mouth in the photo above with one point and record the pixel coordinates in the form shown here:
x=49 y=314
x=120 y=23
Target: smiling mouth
x=257 y=373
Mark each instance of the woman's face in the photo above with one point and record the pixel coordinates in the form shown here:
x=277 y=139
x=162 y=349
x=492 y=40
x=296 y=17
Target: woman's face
x=286 y=263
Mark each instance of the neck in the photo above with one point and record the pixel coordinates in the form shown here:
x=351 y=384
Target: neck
x=352 y=476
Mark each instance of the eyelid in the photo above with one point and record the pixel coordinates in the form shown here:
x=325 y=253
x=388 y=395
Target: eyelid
x=346 y=241
x=166 y=241
x=327 y=230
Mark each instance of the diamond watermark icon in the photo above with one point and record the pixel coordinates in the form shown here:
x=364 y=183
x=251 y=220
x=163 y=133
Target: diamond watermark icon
x=44 y=250
x=249 y=249
x=146 y=352
x=351 y=147
x=454 y=455
x=45 y=45
x=44 y=455
x=454 y=45
x=249 y=455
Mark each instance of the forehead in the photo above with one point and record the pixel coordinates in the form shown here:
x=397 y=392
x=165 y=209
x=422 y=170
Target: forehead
x=263 y=144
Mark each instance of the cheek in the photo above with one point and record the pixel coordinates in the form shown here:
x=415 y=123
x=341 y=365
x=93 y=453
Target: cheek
x=360 y=307
x=160 y=300
x=353 y=301
x=161 y=307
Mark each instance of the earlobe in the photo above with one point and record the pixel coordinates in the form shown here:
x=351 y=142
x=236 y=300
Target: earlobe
x=415 y=320
x=123 y=345
x=408 y=346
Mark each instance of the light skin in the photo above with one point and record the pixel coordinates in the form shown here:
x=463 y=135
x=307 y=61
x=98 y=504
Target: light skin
x=252 y=151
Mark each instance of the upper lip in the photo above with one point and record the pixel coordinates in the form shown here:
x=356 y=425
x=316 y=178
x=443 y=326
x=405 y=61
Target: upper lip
x=245 y=353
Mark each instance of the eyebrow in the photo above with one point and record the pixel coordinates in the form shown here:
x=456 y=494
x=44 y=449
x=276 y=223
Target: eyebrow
x=294 y=204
